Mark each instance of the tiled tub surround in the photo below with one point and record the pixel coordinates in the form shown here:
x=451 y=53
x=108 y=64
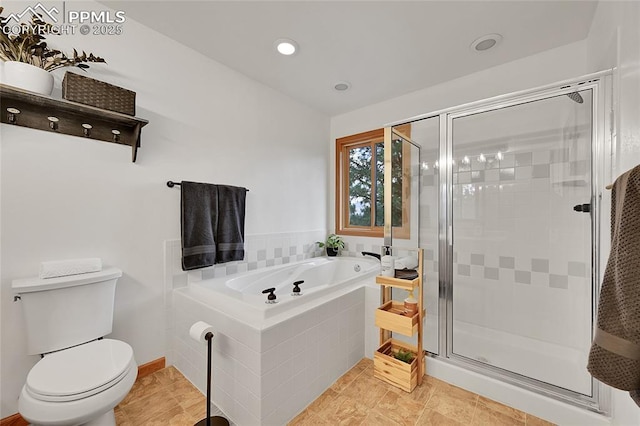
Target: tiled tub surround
x=267 y=376
x=266 y=370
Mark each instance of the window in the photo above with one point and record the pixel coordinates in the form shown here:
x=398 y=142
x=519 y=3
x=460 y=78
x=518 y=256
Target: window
x=360 y=184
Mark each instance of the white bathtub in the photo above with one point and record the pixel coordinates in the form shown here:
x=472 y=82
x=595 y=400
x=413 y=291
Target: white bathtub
x=271 y=361
x=241 y=294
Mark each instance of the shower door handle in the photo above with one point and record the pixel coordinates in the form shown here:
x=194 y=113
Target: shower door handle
x=584 y=208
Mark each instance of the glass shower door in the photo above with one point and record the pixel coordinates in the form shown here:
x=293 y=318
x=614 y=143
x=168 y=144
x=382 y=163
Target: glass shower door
x=521 y=292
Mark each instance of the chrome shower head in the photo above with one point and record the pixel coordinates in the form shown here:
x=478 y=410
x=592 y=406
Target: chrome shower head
x=576 y=97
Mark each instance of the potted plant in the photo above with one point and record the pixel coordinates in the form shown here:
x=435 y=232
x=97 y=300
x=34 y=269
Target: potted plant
x=28 y=59
x=333 y=244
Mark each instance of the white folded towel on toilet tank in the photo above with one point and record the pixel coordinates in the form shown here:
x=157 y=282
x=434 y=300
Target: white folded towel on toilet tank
x=62 y=268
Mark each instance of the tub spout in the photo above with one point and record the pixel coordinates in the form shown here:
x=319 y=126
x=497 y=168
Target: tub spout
x=368 y=253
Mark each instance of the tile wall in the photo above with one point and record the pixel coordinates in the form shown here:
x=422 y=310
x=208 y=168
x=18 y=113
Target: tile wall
x=268 y=376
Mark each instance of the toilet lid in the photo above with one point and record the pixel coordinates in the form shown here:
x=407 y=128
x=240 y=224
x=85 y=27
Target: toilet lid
x=80 y=371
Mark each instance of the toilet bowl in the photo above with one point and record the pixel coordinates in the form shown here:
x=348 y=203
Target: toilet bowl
x=80 y=385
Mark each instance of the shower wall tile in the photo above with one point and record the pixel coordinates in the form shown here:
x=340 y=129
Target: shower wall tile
x=540 y=171
x=577 y=269
x=559 y=281
x=540 y=265
x=524 y=159
x=507 y=262
x=507 y=174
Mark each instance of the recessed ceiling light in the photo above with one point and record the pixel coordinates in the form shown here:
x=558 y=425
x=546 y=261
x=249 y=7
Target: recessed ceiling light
x=485 y=42
x=341 y=86
x=286 y=46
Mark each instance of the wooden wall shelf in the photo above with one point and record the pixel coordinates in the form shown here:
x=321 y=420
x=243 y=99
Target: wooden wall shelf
x=70 y=118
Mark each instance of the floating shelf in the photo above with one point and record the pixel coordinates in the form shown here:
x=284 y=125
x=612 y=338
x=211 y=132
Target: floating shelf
x=27 y=109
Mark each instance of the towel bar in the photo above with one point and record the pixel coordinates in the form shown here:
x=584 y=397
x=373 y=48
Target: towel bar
x=171 y=184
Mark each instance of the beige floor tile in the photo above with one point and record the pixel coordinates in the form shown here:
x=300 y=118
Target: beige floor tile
x=421 y=393
x=151 y=406
x=366 y=389
x=324 y=403
x=488 y=417
x=454 y=403
x=488 y=404
x=376 y=419
x=142 y=388
x=307 y=418
x=348 y=412
x=536 y=421
x=346 y=379
x=434 y=418
x=402 y=409
x=357 y=398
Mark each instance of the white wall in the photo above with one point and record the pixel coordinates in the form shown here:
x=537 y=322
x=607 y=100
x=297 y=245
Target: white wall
x=66 y=197
x=614 y=41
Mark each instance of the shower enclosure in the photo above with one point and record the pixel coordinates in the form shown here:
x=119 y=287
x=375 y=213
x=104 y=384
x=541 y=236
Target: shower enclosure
x=507 y=213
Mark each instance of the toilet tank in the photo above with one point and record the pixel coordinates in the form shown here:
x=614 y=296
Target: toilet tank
x=67 y=311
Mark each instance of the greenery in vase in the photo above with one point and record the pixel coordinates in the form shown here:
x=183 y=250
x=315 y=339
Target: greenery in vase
x=30 y=47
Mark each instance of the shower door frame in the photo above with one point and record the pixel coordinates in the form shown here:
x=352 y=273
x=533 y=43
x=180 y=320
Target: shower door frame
x=602 y=163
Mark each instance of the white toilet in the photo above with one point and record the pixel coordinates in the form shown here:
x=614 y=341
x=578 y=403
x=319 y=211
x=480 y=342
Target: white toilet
x=80 y=379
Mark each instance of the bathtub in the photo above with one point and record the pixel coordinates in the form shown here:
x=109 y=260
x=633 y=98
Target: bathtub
x=323 y=279
x=271 y=360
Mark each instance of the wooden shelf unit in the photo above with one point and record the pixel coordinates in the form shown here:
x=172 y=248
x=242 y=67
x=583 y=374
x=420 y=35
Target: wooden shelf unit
x=389 y=318
x=70 y=118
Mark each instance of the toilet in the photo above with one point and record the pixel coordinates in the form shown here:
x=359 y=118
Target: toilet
x=81 y=376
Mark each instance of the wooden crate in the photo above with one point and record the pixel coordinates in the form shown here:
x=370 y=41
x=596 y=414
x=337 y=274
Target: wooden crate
x=394 y=371
x=390 y=316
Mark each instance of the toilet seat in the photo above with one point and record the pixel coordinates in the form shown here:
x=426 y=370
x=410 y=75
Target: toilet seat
x=80 y=371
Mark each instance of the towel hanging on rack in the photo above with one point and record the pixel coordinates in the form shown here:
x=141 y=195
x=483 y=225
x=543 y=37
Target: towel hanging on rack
x=212 y=224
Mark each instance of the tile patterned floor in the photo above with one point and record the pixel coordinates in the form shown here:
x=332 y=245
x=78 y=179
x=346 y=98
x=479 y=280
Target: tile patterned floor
x=167 y=398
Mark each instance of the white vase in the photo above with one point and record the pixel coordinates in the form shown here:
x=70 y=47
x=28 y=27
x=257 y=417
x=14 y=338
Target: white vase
x=27 y=77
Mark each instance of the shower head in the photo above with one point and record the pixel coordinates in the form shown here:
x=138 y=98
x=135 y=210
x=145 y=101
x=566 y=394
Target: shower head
x=576 y=97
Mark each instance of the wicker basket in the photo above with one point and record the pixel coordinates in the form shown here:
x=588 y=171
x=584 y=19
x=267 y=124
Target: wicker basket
x=88 y=91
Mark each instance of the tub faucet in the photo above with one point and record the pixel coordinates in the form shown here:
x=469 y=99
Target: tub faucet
x=296 y=289
x=368 y=253
x=271 y=298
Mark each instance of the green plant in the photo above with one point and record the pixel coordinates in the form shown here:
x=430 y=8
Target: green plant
x=404 y=356
x=333 y=241
x=30 y=47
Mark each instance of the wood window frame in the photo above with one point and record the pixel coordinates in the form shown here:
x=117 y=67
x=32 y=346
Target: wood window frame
x=370 y=138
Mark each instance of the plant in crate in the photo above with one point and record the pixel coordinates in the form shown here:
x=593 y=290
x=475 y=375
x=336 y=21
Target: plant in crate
x=404 y=356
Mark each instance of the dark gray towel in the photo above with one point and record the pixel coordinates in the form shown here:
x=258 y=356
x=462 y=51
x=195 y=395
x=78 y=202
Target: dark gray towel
x=230 y=230
x=199 y=222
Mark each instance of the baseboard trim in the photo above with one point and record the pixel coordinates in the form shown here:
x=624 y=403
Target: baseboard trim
x=143 y=370
x=15 y=420
x=151 y=367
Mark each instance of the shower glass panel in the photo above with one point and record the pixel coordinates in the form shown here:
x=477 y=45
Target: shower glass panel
x=522 y=256
x=420 y=145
